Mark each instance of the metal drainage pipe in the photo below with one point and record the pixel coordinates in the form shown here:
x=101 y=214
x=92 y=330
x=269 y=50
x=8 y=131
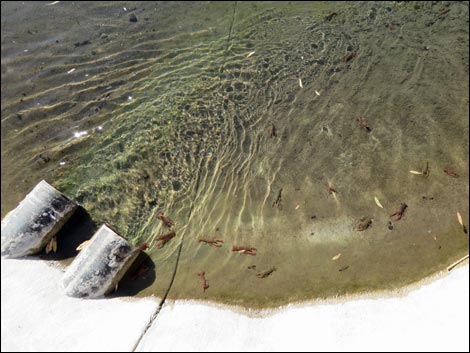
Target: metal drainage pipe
x=31 y=225
x=99 y=267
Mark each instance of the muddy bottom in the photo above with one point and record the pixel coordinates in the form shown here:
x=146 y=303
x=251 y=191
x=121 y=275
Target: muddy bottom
x=279 y=138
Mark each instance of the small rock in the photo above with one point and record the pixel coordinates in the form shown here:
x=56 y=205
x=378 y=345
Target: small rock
x=132 y=18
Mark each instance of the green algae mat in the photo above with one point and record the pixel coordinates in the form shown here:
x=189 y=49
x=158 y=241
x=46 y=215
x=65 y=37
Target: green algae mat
x=266 y=152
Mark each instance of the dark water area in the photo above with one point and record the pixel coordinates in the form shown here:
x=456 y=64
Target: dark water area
x=266 y=125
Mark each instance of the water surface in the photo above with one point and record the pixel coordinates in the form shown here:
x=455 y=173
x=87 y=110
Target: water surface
x=207 y=110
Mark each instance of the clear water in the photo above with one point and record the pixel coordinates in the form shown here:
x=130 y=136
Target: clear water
x=171 y=113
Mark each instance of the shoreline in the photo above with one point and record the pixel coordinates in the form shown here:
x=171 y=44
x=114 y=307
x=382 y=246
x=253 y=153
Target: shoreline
x=340 y=299
x=36 y=315
x=424 y=319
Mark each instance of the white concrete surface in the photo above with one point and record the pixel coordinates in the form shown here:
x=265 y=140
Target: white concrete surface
x=36 y=316
x=434 y=317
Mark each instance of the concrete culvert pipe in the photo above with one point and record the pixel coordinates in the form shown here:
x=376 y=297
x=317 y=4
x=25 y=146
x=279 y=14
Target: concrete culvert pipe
x=99 y=267
x=31 y=225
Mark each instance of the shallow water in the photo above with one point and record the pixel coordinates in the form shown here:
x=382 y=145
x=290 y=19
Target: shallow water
x=172 y=113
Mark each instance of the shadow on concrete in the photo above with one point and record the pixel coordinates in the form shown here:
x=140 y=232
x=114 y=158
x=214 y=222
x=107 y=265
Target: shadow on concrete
x=139 y=276
x=79 y=227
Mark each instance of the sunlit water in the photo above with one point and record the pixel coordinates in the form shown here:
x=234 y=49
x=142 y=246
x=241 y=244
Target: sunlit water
x=205 y=111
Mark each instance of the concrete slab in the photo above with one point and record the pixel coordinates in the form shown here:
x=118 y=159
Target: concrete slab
x=434 y=317
x=37 y=316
